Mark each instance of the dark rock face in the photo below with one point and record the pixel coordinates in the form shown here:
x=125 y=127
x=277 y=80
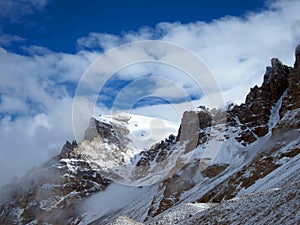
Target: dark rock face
x=261 y=166
x=255 y=113
x=106 y=131
x=158 y=152
x=192 y=124
x=292 y=100
x=97 y=128
x=214 y=170
x=171 y=189
x=297 y=57
x=68 y=149
x=252 y=116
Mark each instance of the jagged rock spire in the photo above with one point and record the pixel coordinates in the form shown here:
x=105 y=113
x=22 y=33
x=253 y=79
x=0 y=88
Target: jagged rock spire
x=297 y=56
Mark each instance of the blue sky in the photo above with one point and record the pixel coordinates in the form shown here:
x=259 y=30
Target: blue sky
x=59 y=24
x=47 y=45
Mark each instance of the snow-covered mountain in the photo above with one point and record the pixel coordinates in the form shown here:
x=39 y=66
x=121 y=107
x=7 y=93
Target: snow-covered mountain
x=112 y=144
x=237 y=165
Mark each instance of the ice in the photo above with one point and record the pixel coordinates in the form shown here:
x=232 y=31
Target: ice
x=275 y=117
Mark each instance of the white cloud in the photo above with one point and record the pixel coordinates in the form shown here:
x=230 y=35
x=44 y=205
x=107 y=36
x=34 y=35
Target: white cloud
x=14 y=10
x=29 y=141
x=8 y=39
x=35 y=107
x=96 y=40
x=12 y=105
x=235 y=49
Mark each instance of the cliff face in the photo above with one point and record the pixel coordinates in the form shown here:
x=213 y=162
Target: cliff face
x=192 y=123
x=253 y=116
x=261 y=128
x=255 y=113
x=217 y=155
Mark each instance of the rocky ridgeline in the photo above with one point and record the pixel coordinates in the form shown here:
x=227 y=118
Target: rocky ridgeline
x=50 y=193
x=53 y=192
x=191 y=131
x=249 y=121
x=251 y=117
x=157 y=153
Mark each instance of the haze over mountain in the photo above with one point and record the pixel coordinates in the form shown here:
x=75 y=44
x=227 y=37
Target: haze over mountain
x=233 y=165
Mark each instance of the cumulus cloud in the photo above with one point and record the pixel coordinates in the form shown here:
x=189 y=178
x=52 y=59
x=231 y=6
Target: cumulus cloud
x=235 y=49
x=14 y=10
x=36 y=103
x=35 y=106
x=28 y=141
x=8 y=39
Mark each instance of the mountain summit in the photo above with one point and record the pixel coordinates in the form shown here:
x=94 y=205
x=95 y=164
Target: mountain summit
x=238 y=165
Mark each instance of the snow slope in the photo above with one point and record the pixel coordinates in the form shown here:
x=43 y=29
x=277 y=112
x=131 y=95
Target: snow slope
x=144 y=130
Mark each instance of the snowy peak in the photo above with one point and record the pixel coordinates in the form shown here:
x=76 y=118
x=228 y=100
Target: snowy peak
x=137 y=131
x=113 y=144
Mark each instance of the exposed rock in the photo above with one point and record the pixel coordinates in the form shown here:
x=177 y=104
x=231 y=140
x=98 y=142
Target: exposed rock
x=292 y=100
x=290 y=120
x=68 y=149
x=157 y=153
x=254 y=114
x=214 y=170
x=262 y=165
x=297 y=57
x=91 y=131
x=191 y=124
x=51 y=193
x=111 y=133
x=172 y=188
x=246 y=137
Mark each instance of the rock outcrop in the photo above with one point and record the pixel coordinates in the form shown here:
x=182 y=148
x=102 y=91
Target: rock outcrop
x=253 y=116
x=192 y=123
x=109 y=132
x=68 y=149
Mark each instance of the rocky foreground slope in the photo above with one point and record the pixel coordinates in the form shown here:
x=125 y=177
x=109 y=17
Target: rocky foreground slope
x=225 y=166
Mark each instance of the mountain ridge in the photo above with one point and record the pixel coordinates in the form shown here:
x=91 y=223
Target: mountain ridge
x=220 y=158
